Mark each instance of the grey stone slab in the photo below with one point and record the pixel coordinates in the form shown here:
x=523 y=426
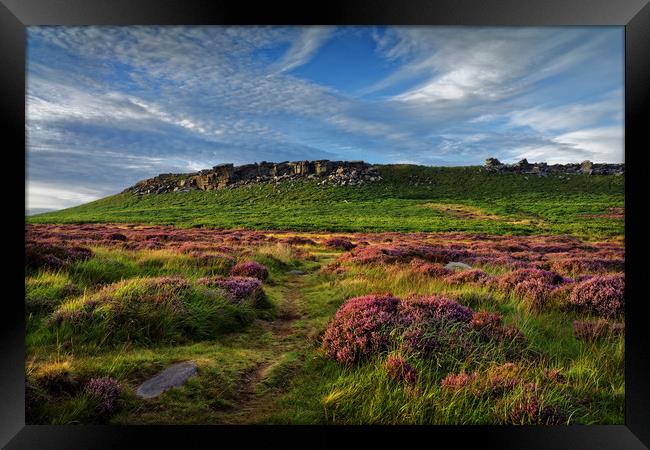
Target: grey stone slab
x=173 y=376
x=457 y=266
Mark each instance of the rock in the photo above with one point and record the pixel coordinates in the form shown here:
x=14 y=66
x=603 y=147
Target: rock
x=295 y=272
x=173 y=376
x=457 y=266
x=228 y=176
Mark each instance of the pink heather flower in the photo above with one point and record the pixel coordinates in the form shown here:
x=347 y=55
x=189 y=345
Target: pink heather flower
x=237 y=288
x=360 y=327
x=250 y=269
x=593 y=330
x=510 y=280
x=428 y=269
x=54 y=256
x=399 y=369
x=106 y=390
x=339 y=244
x=417 y=340
x=458 y=381
x=602 y=295
x=467 y=276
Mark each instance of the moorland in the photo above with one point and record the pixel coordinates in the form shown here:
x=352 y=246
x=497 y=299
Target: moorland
x=433 y=296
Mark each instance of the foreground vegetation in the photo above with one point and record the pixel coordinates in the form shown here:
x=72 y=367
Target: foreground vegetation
x=409 y=198
x=311 y=328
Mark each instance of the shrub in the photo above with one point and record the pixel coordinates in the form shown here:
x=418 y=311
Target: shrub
x=602 y=295
x=148 y=310
x=218 y=264
x=398 y=369
x=458 y=381
x=105 y=390
x=116 y=237
x=360 y=328
x=432 y=309
x=250 y=269
x=54 y=256
x=510 y=280
x=467 y=276
x=239 y=289
x=297 y=240
x=428 y=269
x=593 y=330
x=365 y=326
x=338 y=244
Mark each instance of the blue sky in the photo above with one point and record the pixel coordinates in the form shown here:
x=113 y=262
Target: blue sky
x=108 y=106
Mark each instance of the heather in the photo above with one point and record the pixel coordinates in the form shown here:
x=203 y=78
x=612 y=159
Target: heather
x=601 y=295
x=381 y=332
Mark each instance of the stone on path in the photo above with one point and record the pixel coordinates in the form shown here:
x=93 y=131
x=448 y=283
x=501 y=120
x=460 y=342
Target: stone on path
x=296 y=272
x=457 y=265
x=172 y=376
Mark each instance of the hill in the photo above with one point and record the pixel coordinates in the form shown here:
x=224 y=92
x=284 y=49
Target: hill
x=403 y=198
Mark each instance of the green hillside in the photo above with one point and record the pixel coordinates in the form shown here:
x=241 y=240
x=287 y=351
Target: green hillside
x=409 y=198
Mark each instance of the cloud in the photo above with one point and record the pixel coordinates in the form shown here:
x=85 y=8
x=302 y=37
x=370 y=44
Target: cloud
x=108 y=106
x=303 y=48
x=49 y=196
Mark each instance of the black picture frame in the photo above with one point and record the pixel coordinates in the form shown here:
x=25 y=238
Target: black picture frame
x=15 y=15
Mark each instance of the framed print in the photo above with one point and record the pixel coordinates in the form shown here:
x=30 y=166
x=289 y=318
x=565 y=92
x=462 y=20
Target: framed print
x=370 y=218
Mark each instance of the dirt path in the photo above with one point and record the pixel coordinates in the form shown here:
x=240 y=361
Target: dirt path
x=251 y=400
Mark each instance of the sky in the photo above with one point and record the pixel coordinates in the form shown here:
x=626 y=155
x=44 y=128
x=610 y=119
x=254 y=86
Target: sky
x=109 y=106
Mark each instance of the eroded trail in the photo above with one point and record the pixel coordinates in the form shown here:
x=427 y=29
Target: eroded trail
x=255 y=396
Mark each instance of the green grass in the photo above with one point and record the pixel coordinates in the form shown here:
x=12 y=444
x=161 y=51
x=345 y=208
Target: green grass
x=261 y=374
x=267 y=365
x=517 y=204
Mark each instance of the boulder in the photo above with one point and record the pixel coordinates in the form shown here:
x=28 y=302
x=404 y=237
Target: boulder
x=173 y=376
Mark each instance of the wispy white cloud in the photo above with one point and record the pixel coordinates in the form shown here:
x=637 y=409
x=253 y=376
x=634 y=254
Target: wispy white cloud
x=107 y=106
x=304 y=47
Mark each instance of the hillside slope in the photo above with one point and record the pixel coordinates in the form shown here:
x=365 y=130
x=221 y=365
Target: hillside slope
x=408 y=198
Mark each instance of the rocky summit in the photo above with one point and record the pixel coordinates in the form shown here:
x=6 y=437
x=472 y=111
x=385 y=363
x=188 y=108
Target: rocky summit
x=341 y=173
x=544 y=169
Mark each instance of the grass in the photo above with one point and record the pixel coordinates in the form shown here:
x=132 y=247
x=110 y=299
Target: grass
x=267 y=364
x=457 y=199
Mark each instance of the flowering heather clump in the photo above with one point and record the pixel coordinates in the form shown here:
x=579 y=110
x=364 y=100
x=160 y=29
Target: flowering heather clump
x=237 y=288
x=535 y=291
x=218 y=263
x=578 y=265
x=106 y=390
x=360 y=328
x=339 y=244
x=510 y=280
x=250 y=269
x=435 y=308
x=116 y=237
x=297 y=240
x=591 y=331
x=527 y=408
x=487 y=324
x=398 y=369
x=602 y=295
x=428 y=269
x=54 y=256
x=420 y=342
x=467 y=276
x=458 y=381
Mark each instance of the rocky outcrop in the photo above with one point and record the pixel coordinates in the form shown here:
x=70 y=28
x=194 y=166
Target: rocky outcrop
x=544 y=169
x=342 y=173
